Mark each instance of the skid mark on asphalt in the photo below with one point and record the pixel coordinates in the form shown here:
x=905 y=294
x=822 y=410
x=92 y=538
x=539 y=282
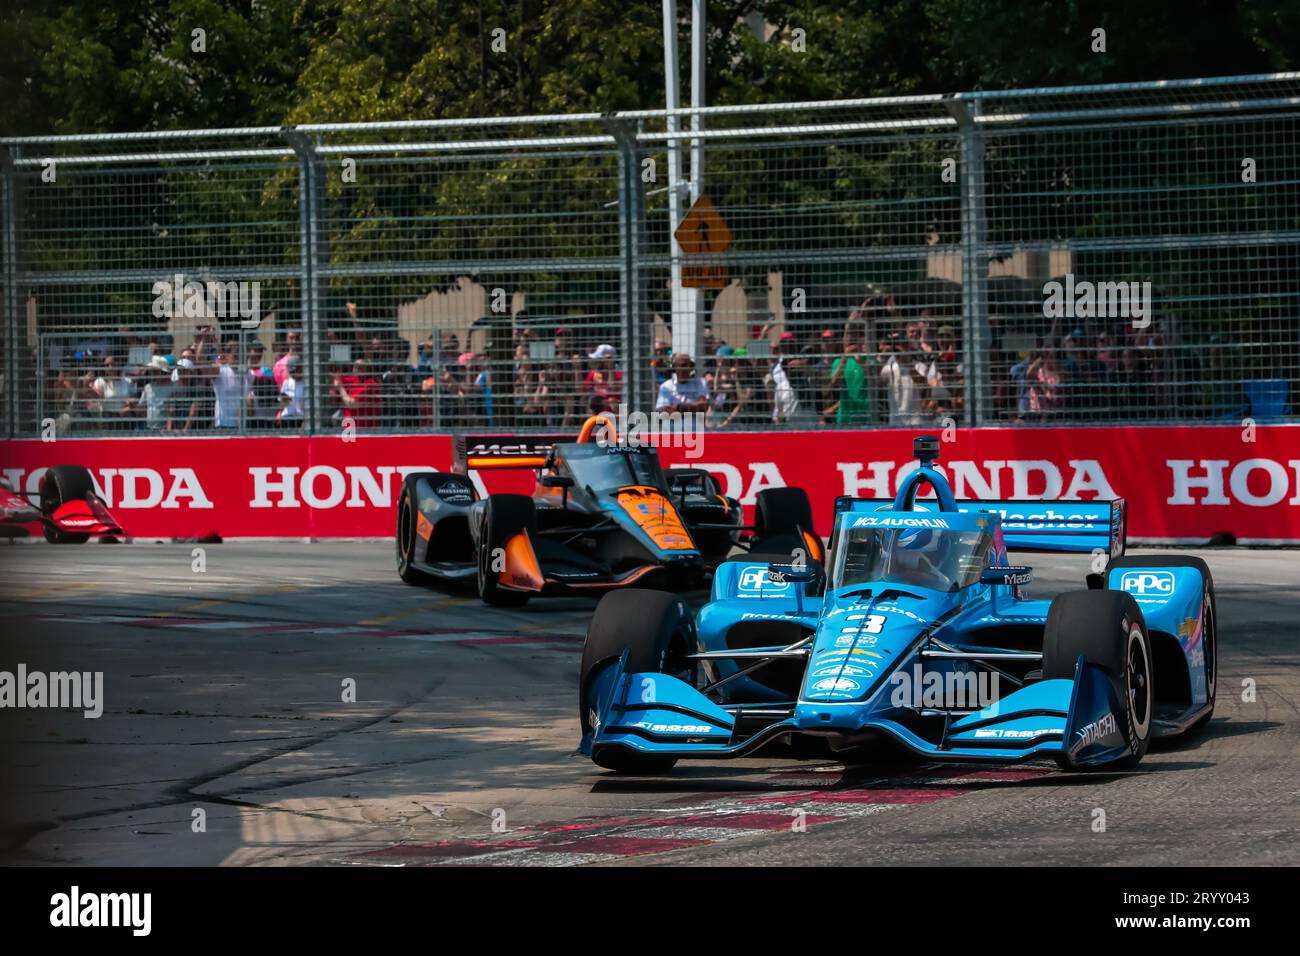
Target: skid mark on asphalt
x=425 y=608
x=648 y=832
x=465 y=636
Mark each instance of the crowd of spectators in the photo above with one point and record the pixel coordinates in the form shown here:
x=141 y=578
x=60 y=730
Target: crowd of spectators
x=1100 y=370
x=878 y=367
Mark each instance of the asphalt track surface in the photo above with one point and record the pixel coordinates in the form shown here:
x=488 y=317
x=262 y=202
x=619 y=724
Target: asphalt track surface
x=223 y=693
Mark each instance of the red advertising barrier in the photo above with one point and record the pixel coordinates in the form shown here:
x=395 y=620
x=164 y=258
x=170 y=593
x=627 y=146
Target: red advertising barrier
x=1183 y=484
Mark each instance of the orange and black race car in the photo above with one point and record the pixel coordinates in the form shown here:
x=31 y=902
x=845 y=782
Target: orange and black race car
x=70 y=511
x=603 y=515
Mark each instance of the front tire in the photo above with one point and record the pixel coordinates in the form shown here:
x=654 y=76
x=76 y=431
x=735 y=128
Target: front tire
x=657 y=631
x=61 y=484
x=1108 y=629
x=407 y=518
x=504 y=516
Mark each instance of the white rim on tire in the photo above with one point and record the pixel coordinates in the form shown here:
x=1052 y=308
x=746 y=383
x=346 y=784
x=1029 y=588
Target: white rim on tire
x=1137 y=644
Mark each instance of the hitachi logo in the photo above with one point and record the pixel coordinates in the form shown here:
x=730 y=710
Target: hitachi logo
x=1097 y=731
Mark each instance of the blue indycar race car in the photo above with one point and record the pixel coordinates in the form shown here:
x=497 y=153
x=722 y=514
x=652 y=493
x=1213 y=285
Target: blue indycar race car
x=918 y=635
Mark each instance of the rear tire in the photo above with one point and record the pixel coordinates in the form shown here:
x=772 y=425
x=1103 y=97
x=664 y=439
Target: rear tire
x=657 y=630
x=61 y=484
x=1108 y=629
x=504 y=516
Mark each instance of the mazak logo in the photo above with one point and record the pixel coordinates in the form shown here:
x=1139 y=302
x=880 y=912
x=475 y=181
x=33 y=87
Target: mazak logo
x=755 y=580
x=1159 y=583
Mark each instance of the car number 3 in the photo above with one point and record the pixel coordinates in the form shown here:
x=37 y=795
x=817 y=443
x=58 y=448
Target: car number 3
x=872 y=623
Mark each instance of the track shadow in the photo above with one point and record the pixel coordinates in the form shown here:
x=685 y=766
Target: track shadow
x=1215 y=729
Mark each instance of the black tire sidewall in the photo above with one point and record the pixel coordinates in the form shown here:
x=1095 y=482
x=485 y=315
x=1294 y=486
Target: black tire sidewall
x=643 y=622
x=59 y=485
x=504 y=516
x=1102 y=625
x=405 y=538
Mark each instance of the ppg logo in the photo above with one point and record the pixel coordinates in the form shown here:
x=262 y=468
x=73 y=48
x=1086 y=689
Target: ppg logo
x=1160 y=583
x=755 y=581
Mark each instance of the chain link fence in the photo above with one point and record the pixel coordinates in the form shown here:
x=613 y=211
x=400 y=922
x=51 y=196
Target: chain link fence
x=1120 y=253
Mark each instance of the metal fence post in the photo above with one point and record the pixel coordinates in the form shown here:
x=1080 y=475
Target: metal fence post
x=9 y=211
x=311 y=189
x=976 y=337
x=631 y=222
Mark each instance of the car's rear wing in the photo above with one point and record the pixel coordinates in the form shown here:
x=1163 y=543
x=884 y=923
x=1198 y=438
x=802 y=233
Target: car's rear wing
x=1031 y=525
x=486 y=452
x=490 y=452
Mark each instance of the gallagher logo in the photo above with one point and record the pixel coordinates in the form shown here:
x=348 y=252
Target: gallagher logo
x=1160 y=583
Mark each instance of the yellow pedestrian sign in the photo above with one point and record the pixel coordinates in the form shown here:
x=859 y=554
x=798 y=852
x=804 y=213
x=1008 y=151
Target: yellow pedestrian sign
x=703 y=231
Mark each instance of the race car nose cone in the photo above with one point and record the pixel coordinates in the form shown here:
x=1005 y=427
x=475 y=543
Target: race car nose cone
x=819 y=716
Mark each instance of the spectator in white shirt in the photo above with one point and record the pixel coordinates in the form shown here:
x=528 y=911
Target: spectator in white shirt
x=227 y=388
x=904 y=375
x=115 y=391
x=684 y=391
x=290 y=413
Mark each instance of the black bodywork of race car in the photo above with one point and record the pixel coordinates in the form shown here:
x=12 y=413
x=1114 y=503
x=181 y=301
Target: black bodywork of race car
x=602 y=515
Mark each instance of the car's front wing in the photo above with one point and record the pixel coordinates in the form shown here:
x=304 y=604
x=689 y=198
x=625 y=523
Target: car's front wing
x=1079 y=721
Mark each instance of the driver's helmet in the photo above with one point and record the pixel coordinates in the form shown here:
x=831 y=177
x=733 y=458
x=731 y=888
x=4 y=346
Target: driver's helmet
x=917 y=556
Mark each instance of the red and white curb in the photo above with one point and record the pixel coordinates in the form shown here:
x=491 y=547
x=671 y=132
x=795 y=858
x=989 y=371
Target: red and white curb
x=648 y=832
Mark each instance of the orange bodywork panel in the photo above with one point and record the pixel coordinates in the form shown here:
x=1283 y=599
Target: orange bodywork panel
x=423 y=527
x=656 y=516
x=521 y=571
x=815 y=550
x=517 y=461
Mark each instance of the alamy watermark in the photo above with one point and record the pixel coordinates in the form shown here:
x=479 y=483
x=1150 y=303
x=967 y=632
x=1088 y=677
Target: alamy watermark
x=59 y=690
x=961 y=690
x=1082 y=299
x=76 y=908
x=208 y=299
x=663 y=429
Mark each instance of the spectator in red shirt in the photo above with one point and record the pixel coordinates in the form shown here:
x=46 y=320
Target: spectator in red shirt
x=604 y=381
x=358 y=394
